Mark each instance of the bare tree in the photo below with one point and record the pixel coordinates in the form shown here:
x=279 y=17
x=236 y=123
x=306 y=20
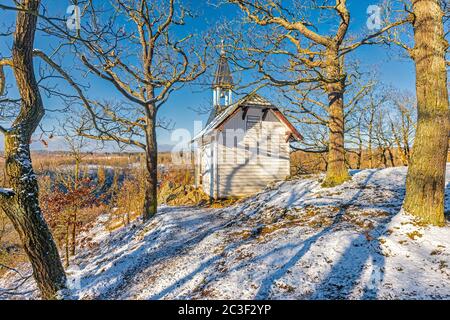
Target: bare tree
x=144 y=61
x=20 y=201
x=306 y=106
x=383 y=139
x=383 y=127
x=309 y=56
x=78 y=148
x=369 y=122
x=402 y=123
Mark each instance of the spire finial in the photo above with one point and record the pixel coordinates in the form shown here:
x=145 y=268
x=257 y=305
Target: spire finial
x=222 y=48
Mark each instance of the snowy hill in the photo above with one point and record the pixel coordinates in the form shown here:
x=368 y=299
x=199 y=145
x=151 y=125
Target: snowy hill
x=295 y=240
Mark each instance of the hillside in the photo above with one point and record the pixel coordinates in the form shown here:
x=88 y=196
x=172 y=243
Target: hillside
x=295 y=240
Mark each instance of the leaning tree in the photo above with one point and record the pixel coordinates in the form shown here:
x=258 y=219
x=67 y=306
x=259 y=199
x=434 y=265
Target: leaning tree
x=20 y=201
x=295 y=49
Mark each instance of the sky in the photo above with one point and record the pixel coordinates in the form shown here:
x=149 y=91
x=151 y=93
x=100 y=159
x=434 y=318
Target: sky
x=180 y=108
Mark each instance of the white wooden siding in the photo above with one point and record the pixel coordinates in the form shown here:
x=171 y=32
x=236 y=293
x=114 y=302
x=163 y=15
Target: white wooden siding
x=206 y=167
x=255 y=168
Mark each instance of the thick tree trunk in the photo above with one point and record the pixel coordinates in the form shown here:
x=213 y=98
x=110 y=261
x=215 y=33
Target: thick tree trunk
x=151 y=163
x=425 y=183
x=337 y=172
x=23 y=210
x=21 y=204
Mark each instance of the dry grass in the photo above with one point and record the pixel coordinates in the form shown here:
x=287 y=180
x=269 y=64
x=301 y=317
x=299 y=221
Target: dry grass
x=242 y=234
x=307 y=163
x=11 y=253
x=127 y=203
x=414 y=235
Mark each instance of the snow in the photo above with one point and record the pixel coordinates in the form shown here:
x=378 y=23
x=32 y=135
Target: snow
x=8 y=192
x=294 y=240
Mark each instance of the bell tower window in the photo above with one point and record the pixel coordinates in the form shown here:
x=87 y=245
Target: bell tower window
x=223 y=82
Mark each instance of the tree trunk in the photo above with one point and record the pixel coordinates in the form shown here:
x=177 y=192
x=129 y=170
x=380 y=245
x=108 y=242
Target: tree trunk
x=425 y=183
x=383 y=156
x=151 y=165
x=337 y=172
x=77 y=172
x=398 y=143
x=360 y=147
x=370 y=151
x=391 y=156
x=370 y=136
x=23 y=210
x=406 y=148
x=66 y=240
x=21 y=204
x=74 y=234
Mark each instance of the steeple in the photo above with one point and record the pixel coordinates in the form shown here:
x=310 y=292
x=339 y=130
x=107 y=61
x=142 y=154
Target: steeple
x=223 y=81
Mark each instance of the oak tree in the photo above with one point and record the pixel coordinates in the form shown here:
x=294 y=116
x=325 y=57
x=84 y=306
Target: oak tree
x=296 y=35
x=144 y=61
x=425 y=183
x=20 y=201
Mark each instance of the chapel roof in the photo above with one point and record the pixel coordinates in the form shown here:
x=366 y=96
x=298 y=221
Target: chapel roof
x=250 y=100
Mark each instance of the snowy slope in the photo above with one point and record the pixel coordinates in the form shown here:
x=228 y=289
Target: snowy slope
x=295 y=240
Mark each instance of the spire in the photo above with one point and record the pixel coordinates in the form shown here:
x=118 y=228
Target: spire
x=222 y=85
x=222 y=77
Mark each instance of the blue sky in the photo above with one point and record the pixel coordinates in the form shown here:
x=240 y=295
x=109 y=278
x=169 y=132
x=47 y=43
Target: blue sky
x=392 y=68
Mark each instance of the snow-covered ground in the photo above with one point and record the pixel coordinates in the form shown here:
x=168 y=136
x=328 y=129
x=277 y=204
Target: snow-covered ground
x=294 y=240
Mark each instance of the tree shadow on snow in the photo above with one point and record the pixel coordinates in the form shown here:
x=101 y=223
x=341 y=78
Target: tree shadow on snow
x=350 y=266
x=124 y=266
x=361 y=253
x=344 y=274
x=210 y=262
x=305 y=245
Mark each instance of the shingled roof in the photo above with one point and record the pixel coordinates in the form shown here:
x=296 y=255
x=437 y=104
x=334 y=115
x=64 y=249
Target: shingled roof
x=251 y=100
x=215 y=111
x=222 y=77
